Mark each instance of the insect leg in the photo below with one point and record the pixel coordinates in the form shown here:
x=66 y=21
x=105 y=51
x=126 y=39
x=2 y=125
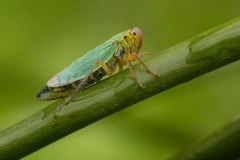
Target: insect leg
x=79 y=87
x=105 y=67
x=143 y=53
x=120 y=67
x=144 y=65
x=134 y=76
x=83 y=83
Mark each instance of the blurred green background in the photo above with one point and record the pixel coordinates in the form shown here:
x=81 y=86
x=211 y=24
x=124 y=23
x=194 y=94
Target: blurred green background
x=39 y=38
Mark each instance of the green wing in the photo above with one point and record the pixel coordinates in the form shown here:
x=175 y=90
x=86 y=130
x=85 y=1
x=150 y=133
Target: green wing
x=79 y=68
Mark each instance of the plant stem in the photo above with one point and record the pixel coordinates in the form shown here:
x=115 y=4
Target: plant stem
x=222 y=145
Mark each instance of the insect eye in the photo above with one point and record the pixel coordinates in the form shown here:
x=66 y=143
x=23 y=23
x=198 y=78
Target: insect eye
x=134 y=33
x=125 y=37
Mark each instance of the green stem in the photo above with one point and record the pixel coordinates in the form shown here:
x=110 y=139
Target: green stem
x=179 y=64
x=222 y=145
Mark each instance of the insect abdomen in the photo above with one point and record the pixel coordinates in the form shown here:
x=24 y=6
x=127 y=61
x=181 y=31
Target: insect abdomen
x=51 y=93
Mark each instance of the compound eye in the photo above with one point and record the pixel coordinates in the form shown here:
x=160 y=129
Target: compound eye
x=134 y=33
x=125 y=37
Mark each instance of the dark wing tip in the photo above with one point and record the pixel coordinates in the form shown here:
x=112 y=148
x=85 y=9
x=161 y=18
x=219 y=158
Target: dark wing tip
x=41 y=92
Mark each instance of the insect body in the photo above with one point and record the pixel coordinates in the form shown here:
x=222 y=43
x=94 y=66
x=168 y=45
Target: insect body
x=102 y=61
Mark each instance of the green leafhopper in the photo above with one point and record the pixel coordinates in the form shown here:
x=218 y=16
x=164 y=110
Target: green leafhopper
x=102 y=61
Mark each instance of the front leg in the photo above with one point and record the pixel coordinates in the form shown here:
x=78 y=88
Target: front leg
x=144 y=65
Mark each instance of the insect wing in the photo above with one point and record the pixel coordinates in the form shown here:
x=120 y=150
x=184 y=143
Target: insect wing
x=79 y=68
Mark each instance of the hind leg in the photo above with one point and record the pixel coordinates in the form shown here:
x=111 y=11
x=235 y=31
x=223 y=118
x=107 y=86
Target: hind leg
x=83 y=83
